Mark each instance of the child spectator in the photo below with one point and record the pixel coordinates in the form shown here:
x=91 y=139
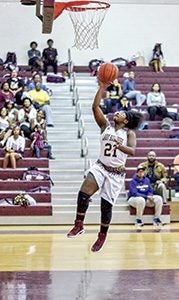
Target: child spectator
x=39 y=142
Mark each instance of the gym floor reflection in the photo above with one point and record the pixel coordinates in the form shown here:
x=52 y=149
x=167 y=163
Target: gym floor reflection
x=39 y=262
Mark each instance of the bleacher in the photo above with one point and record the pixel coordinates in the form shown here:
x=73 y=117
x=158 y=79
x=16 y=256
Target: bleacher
x=152 y=138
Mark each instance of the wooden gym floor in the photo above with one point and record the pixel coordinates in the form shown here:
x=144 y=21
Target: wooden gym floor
x=40 y=263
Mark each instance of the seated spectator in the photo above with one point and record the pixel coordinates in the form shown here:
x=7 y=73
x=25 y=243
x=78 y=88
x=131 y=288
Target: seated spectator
x=113 y=94
x=156 y=102
x=5 y=126
x=40 y=120
x=157 y=58
x=14 y=149
x=39 y=142
x=41 y=101
x=16 y=86
x=5 y=94
x=12 y=113
x=176 y=174
x=157 y=174
x=130 y=92
x=26 y=117
x=34 y=56
x=49 y=56
x=124 y=104
x=141 y=195
x=35 y=79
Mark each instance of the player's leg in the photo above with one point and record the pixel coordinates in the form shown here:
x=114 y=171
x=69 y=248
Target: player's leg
x=106 y=215
x=88 y=188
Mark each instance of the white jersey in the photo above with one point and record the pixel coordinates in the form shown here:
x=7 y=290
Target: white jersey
x=109 y=155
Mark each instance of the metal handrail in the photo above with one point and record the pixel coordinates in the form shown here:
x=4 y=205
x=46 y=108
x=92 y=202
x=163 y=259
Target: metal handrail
x=81 y=128
x=72 y=82
x=84 y=153
x=77 y=111
x=75 y=96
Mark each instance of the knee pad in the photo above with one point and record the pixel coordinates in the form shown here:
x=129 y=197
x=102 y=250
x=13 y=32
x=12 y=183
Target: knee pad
x=83 y=202
x=106 y=211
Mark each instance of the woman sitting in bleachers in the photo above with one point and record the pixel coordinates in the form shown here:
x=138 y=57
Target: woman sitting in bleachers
x=26 y=117
x=14 y=149
x=156 y=102
x=5 y=94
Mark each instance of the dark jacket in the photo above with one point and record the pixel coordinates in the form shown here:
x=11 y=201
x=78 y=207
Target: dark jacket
x=140 y=188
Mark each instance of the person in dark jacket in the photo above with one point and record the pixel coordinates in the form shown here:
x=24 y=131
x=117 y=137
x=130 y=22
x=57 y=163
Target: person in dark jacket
x=141 y=195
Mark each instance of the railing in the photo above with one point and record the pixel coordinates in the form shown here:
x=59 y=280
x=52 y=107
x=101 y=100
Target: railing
x=84 y=153
x=170 y=176
x=72 y=82
x=75 y=96
x=81 y=128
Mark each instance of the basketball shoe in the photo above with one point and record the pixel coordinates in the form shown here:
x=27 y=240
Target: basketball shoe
x=76 y=230
x=99 y=242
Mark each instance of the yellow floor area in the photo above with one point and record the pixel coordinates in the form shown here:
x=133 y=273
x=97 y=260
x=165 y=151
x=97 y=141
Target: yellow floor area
x=34 y=248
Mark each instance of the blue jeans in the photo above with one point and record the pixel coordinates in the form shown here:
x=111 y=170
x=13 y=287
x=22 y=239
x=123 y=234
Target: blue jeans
x=37 y=150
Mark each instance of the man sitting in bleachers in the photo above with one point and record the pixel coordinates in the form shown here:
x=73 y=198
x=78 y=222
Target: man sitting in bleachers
x=141 y=195
x=157 y=174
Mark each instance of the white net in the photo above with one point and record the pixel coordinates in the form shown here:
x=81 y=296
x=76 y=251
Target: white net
x=87 y=20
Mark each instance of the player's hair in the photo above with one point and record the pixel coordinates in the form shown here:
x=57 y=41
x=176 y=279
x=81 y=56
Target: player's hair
x=134 y=119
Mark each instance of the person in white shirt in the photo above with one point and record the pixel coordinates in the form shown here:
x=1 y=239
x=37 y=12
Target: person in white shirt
x=14 y=149
x=156 y=102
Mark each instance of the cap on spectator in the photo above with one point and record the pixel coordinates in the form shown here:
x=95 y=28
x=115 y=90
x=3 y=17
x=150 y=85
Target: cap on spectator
x=140 y=168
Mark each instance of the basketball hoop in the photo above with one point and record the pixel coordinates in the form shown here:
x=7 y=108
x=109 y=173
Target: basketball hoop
x=87 y=17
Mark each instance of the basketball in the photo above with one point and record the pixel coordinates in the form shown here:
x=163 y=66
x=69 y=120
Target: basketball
x=107 y=72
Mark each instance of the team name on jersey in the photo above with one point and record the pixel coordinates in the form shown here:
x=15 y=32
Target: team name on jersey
x=112 y=138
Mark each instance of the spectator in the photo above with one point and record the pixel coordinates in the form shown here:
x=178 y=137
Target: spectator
x=130 y=92
x=5 y=94
x=141 y=195
x=16 y=86
x=35 y=79
x=113 y=94
x=26 y=117
x=41 y=101
x=14 y=148
x=124 y=104
x=39 y=142
x=157 y=174
x=156 y=102
x=157 y=58
x=40 y=120
x=49 y=56
x=5 y=126
x=176 y=174
x=34 y=56
x=12 y=112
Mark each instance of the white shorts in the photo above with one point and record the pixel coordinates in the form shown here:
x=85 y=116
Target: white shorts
x=110 y=184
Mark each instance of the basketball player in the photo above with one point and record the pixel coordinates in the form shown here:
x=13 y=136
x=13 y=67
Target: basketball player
x=108 y=172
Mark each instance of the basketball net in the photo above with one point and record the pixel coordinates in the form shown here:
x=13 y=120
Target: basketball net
x=87 y=18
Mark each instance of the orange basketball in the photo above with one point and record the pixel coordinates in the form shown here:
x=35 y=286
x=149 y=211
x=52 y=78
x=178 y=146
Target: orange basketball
x=108 y=72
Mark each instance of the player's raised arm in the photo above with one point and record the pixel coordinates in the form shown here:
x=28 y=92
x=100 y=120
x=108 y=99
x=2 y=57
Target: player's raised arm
x=98 y=114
